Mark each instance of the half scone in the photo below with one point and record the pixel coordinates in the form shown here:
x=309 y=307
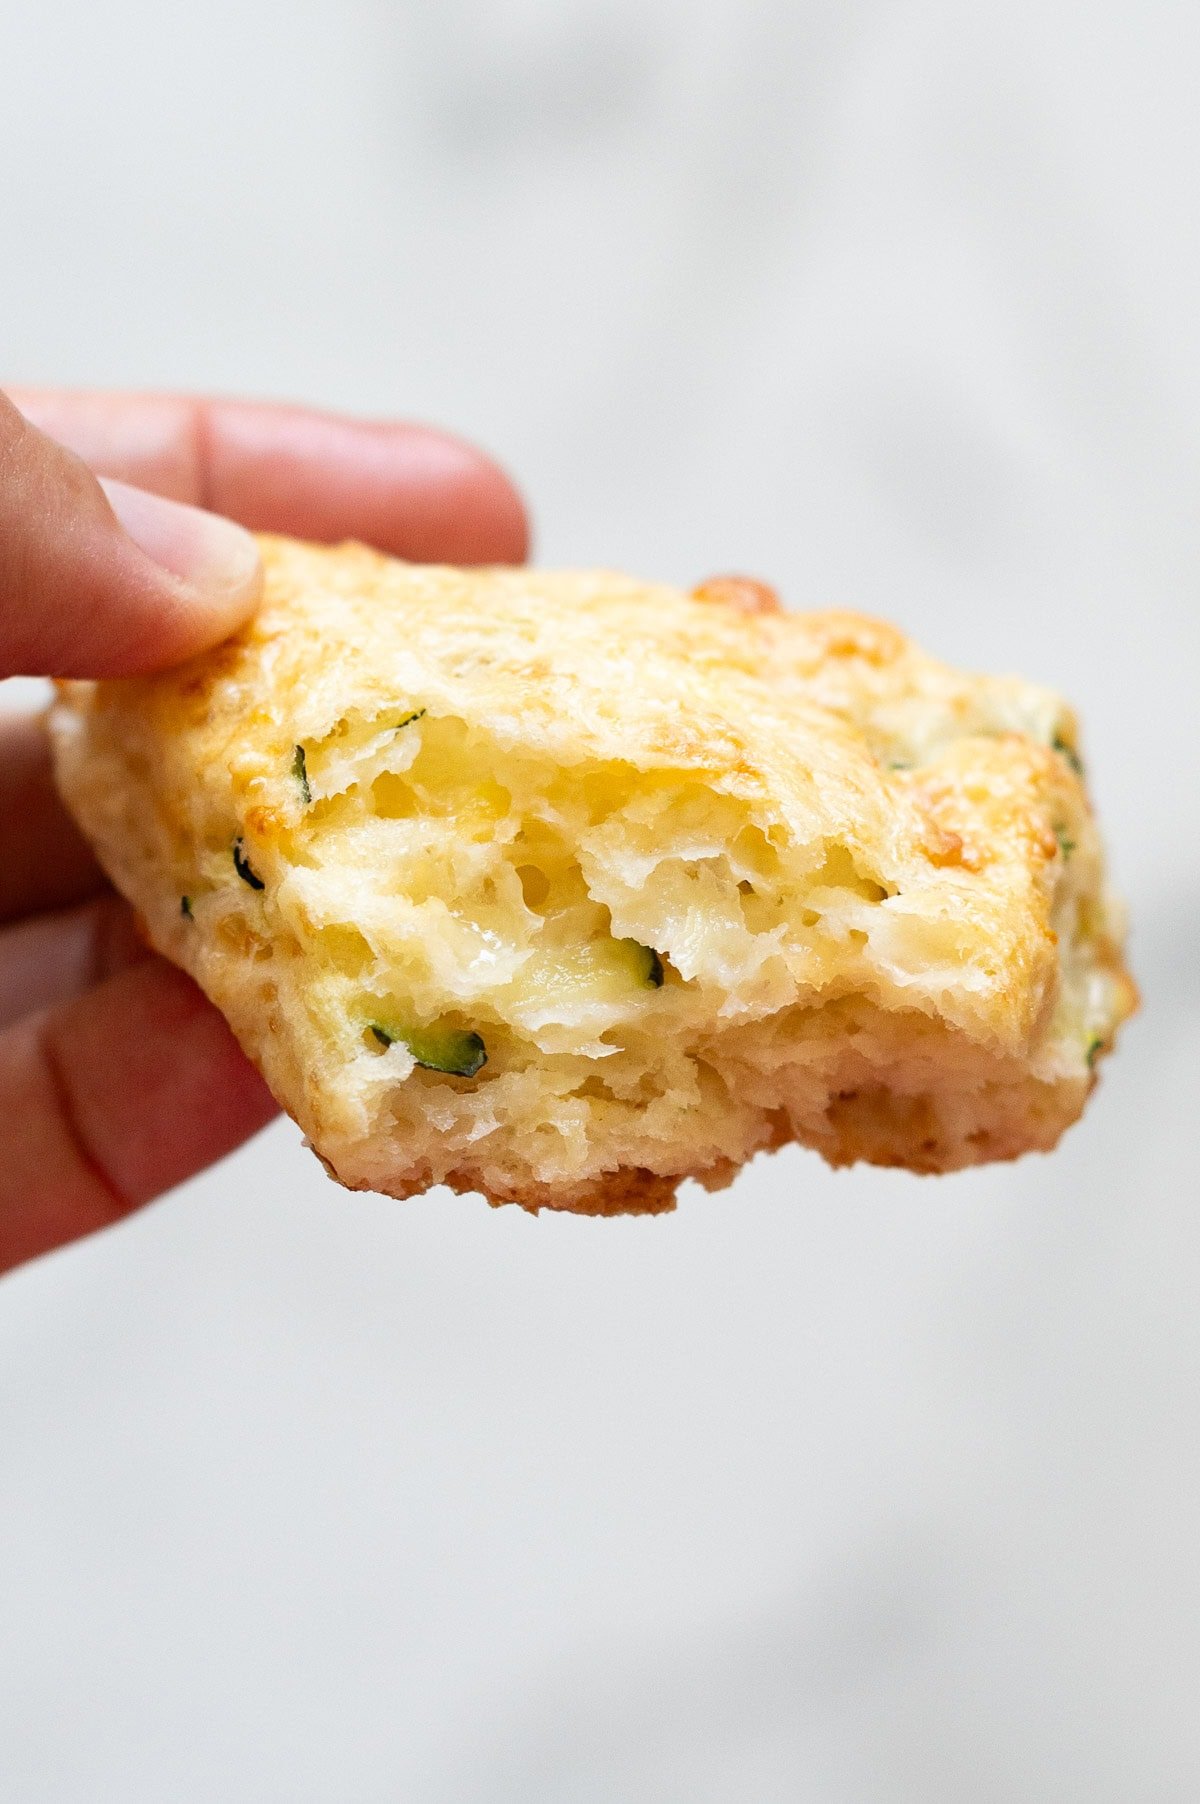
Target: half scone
x=564 y=887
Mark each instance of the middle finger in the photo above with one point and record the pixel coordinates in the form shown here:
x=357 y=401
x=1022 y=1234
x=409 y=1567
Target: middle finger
x=54 y=957
x=44 y=860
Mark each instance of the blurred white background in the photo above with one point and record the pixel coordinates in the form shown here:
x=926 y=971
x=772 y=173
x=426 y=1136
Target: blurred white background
x=857 y=1489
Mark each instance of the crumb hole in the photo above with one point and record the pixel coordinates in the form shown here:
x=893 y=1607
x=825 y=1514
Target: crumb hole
x=535 y=885
x=392 y=798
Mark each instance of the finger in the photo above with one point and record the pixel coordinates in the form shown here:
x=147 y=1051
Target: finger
x=113 y=1099
x=45 y=862
x=105 y=583
x=53 y=957
x=148 y=440
x=408 y=490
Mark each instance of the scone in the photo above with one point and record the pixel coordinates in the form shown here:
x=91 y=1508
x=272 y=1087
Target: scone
x=564 y=887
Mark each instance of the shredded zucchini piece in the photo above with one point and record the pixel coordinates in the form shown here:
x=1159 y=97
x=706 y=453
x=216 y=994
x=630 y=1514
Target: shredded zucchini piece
x=453 y=1050
x=300 y=772
x=243 y=867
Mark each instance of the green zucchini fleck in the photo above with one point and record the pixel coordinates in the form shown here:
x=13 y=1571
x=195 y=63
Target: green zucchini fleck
x=1066 y=845
x=453 y=1050
x=300 y=772
x=406 y=720
x=185 y=907
x=651 y=964
x=243 y=867
x=1094 y=1048
x=1067 y=751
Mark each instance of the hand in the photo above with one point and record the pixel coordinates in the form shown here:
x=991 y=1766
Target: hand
x=117 y=1078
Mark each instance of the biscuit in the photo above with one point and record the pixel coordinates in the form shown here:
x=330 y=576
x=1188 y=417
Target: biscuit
x=563 y=887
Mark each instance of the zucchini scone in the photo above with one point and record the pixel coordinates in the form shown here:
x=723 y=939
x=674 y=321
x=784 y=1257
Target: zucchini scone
x=563 y=887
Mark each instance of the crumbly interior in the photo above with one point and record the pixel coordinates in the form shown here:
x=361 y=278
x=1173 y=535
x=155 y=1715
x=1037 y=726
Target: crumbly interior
x=570 y=978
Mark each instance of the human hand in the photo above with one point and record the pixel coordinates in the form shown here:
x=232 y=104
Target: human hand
x=118 y=1079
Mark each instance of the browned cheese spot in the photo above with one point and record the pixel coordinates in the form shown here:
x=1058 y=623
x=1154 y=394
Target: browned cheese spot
x=743 y=594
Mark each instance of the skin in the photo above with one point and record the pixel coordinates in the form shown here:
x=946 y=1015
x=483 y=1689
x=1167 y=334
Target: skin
x=117 y=1078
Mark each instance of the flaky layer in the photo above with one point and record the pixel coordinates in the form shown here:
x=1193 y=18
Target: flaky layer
x=563 y=887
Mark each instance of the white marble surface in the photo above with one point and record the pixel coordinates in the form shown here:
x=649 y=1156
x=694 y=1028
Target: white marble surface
x=853 y=1488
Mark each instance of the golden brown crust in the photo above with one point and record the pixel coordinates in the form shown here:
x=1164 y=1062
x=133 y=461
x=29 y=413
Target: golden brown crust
x=486 y=802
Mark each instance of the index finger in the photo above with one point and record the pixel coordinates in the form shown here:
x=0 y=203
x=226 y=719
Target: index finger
x=409 y=490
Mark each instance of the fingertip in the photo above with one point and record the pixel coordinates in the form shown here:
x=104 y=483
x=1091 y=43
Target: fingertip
x=415 y=492
x=216 y=562
x=478 y=515
x=102 y=580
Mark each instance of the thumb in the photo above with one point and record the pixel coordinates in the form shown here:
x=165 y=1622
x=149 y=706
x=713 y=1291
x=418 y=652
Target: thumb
x=103 y=579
